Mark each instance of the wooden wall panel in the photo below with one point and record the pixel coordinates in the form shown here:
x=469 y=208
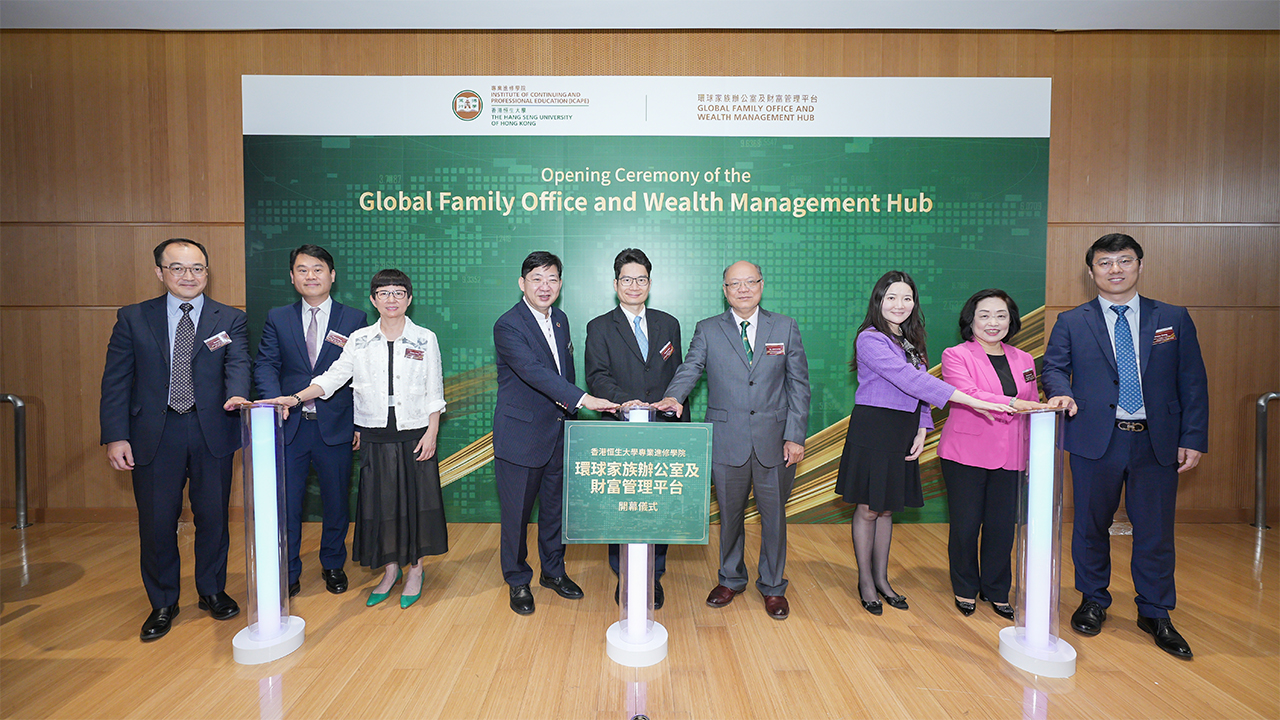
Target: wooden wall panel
x=112 y=141
x=112 y=265
x=1194 y=266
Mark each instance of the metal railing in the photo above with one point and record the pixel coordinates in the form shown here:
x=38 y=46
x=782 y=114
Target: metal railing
x=1260 y=461
x=19 y=458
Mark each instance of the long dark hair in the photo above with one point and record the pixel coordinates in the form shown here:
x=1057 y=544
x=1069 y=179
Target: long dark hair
x=912 y=329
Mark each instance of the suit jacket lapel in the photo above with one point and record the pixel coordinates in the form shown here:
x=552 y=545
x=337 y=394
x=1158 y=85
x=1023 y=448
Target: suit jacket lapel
x=535 y=331
x=988 y=371
x=733 y=334
x=1146 y=331
x=1098 y=324
x=156 y=313
x=764 y=325
x=560 y=328
x=208 y=321
x=628 y=333
x=296 y=332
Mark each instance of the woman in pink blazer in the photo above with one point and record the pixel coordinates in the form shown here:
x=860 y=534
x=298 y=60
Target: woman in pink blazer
x=982 y=456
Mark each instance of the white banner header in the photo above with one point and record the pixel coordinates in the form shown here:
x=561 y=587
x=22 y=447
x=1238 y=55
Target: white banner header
x=646 y=106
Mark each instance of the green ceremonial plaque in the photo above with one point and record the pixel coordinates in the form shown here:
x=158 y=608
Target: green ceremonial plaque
x=636 y=482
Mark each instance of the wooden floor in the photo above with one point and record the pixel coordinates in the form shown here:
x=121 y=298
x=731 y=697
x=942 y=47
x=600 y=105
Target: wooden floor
x=73 y=604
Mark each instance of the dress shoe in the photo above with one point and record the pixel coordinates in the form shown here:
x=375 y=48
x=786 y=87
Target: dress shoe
x=1004 y=610
x=521 y=599
x=721 y=596
x=377 y=597
x=777 y=607
x=895 y=601
x=407 y=600
x=659 y=595
x=1167 y=639
x=875 y=607
x=220 y=606
x=335 y=580
x=966 y=607
x=158 y=622
x=295 y=587
x=1087 y=619
x=563 y=586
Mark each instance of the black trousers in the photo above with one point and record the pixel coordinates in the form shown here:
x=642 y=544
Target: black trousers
x=157 y=489
x=518 y=488
x=982 y=502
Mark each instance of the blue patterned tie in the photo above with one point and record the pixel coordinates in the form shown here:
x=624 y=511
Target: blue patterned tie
x=640 y=338
x=1126 y=363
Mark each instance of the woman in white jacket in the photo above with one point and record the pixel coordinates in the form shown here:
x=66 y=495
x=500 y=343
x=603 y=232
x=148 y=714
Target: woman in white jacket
x=396 y=377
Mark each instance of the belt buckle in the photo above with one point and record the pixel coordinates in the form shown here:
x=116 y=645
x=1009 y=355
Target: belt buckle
x=1131 y=425
x=308 y=415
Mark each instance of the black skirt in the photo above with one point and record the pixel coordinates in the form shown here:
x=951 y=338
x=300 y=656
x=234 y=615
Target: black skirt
x=399 y=507
x=873 y=468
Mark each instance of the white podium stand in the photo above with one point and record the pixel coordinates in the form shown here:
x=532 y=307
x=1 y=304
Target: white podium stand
x=1032 y=644
x=636 y=640
x=272 y=632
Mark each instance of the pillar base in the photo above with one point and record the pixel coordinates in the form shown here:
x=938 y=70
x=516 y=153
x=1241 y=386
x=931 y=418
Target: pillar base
x=1058 y=661
x=629 y=654
x=248 y=651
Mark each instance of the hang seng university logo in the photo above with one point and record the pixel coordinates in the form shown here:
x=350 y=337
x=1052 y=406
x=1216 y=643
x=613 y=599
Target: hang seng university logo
x=467 y=105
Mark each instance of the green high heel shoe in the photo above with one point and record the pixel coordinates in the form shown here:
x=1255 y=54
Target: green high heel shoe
x=407 y=600
x=375 y=598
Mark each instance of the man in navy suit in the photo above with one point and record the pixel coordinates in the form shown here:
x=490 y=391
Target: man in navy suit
x=299 y=342
x=1129 y=371
x=176 y=368
x=535 y=395
x=632 y=354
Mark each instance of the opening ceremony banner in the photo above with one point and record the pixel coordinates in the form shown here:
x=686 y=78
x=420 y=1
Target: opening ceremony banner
x=826 y=183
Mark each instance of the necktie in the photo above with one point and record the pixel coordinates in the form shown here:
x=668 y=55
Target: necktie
x=746 y=342
x=1126 y=363
x=313 y=350
x=644 y=341
x=182 y=396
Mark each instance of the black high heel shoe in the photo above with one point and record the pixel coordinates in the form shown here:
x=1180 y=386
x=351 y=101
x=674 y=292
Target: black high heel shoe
x=966 y=607
x=1004 y=610
x=895 y=601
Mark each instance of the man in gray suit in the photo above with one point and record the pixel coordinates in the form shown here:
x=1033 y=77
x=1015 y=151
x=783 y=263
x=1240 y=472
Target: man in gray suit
x=758 y=405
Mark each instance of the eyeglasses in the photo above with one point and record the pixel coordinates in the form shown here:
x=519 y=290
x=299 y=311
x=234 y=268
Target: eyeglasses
x=739 y=284
x=178 y=270
x=628 y=281
x=389 y=294
x=1123 y=263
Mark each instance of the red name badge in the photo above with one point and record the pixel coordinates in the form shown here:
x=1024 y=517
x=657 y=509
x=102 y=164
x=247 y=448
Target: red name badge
x=1164 y=335
x=336 y=338
x=1029 y=375
x=217 y=341
x=413 y=353
x=666 y=351
x=775 y=349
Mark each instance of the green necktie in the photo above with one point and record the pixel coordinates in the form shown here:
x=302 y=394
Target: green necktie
x=746 y=344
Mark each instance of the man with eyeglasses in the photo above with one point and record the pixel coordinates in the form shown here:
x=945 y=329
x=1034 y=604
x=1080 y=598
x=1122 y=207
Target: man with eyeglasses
x=1129 y=372
x=632 y=355
x=299 y=342
x=177 y=367
x=536 y=394
x=758 y=405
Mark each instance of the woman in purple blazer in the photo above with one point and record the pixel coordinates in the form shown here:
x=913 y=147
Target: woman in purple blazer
x=983 y=456
x=879 y=469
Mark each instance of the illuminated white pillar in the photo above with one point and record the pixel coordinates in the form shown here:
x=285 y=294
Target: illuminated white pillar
x=1032 y=643
x=636 y=640
x=272 y=632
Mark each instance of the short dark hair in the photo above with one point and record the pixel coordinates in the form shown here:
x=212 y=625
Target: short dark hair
x=1112 y=243
x=540 y=258
x=388 y=277
x=628 y=256
x=971 y=308
x=159 y=251
x=314 y=251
